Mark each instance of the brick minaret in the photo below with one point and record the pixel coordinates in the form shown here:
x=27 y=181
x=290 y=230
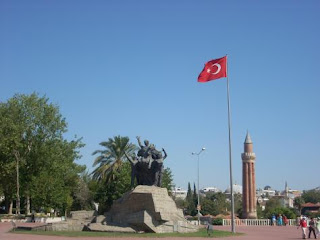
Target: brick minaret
x=249 y=208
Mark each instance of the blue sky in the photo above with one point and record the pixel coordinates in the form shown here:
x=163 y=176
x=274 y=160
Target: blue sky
x=130 y=68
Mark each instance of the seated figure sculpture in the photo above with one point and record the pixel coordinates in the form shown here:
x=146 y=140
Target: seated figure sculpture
x=147 y=166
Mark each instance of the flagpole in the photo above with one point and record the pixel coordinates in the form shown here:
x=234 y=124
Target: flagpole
x=230 y=155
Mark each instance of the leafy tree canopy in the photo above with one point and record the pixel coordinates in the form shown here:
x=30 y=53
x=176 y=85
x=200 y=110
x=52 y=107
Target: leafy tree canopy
x=107 y=192
x=214 y=204
x=312 y=196
x=33 y=152
x=274 y=206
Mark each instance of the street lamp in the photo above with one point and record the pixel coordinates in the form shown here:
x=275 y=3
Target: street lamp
x=198 y=207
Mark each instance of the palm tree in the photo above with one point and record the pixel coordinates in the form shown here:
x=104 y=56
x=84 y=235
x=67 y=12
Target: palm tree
x=110 y=159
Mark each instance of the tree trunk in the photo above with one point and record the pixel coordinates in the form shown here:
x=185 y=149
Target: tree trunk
x=18 y=187
x=6 y=203
x=10 y=207
x=28 y=212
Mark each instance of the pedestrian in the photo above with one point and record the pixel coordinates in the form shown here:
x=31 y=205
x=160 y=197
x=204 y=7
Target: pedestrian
x=303 y=225
x=280 y=222
x=32 y=217
x=285 y=220
x=318 y=226
x=312 y=228
x=209 y=229
x=273 y=220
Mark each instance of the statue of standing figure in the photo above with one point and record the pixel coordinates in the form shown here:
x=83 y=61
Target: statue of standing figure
x=147 y=166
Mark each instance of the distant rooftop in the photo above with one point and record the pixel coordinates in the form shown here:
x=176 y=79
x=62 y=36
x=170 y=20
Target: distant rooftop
x=311 y=204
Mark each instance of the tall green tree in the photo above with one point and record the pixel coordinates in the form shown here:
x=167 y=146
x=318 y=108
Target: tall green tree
x=24 y=121
x=271 y=206
x=260 y=212
x=110 y=159
x=107 y=192
x=31 y=128
x=7 y=180
x=214 y=204
x=312 y=196
x=167 y=180
x=297 y=203
x=58 y=175
x=195 y=196
x=82 y=195
x=208 y=206
x=238 y=203
x=190 y=204
x=189 y=192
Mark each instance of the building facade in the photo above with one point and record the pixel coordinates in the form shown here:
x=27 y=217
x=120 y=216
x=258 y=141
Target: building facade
x=180 y=193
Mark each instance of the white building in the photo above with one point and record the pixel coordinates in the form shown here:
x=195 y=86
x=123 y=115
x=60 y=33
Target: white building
x=236 y=189
x=267 y=192
x=210 y=189
x=180 y=193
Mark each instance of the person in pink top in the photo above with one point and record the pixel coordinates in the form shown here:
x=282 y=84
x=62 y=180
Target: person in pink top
x=285 y=220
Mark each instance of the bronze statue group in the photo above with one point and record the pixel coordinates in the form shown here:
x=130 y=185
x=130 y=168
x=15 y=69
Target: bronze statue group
x=147 y=166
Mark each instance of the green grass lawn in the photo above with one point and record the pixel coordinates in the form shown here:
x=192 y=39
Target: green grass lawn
x=200 y=233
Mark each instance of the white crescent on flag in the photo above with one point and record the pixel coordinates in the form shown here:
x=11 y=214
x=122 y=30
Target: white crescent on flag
x=218 y=70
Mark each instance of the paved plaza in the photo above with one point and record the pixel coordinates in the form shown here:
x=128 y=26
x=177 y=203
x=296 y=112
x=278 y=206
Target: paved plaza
x=251 y=233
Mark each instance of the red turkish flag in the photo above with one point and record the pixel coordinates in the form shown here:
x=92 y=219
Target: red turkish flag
x=213 y=70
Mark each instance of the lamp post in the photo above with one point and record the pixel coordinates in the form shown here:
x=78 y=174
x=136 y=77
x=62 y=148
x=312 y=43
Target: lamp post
x=198 y=207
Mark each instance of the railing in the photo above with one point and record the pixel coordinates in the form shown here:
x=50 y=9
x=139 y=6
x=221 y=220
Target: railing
x=254 y=222
x=36 y=219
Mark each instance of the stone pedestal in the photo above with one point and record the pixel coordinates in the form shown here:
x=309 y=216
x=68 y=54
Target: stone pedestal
x=147 y=209
x=78 y=221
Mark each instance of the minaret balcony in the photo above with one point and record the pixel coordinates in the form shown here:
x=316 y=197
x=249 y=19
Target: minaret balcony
x=248 y=156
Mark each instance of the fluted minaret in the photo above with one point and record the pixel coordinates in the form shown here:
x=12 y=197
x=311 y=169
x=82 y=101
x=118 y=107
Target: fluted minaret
x=249 y=203
x=286 y=190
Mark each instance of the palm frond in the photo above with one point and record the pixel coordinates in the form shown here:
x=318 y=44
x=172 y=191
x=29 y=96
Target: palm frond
x=110 y=160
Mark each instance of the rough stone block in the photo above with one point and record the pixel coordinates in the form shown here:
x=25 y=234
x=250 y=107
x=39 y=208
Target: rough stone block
x=149 y=209
x=106 y=228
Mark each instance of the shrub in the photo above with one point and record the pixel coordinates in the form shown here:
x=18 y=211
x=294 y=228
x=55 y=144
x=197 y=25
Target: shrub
x=217 y=221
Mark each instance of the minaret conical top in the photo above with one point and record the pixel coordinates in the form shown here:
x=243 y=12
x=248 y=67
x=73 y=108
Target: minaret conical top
x=248 y=139
x=248 y=146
